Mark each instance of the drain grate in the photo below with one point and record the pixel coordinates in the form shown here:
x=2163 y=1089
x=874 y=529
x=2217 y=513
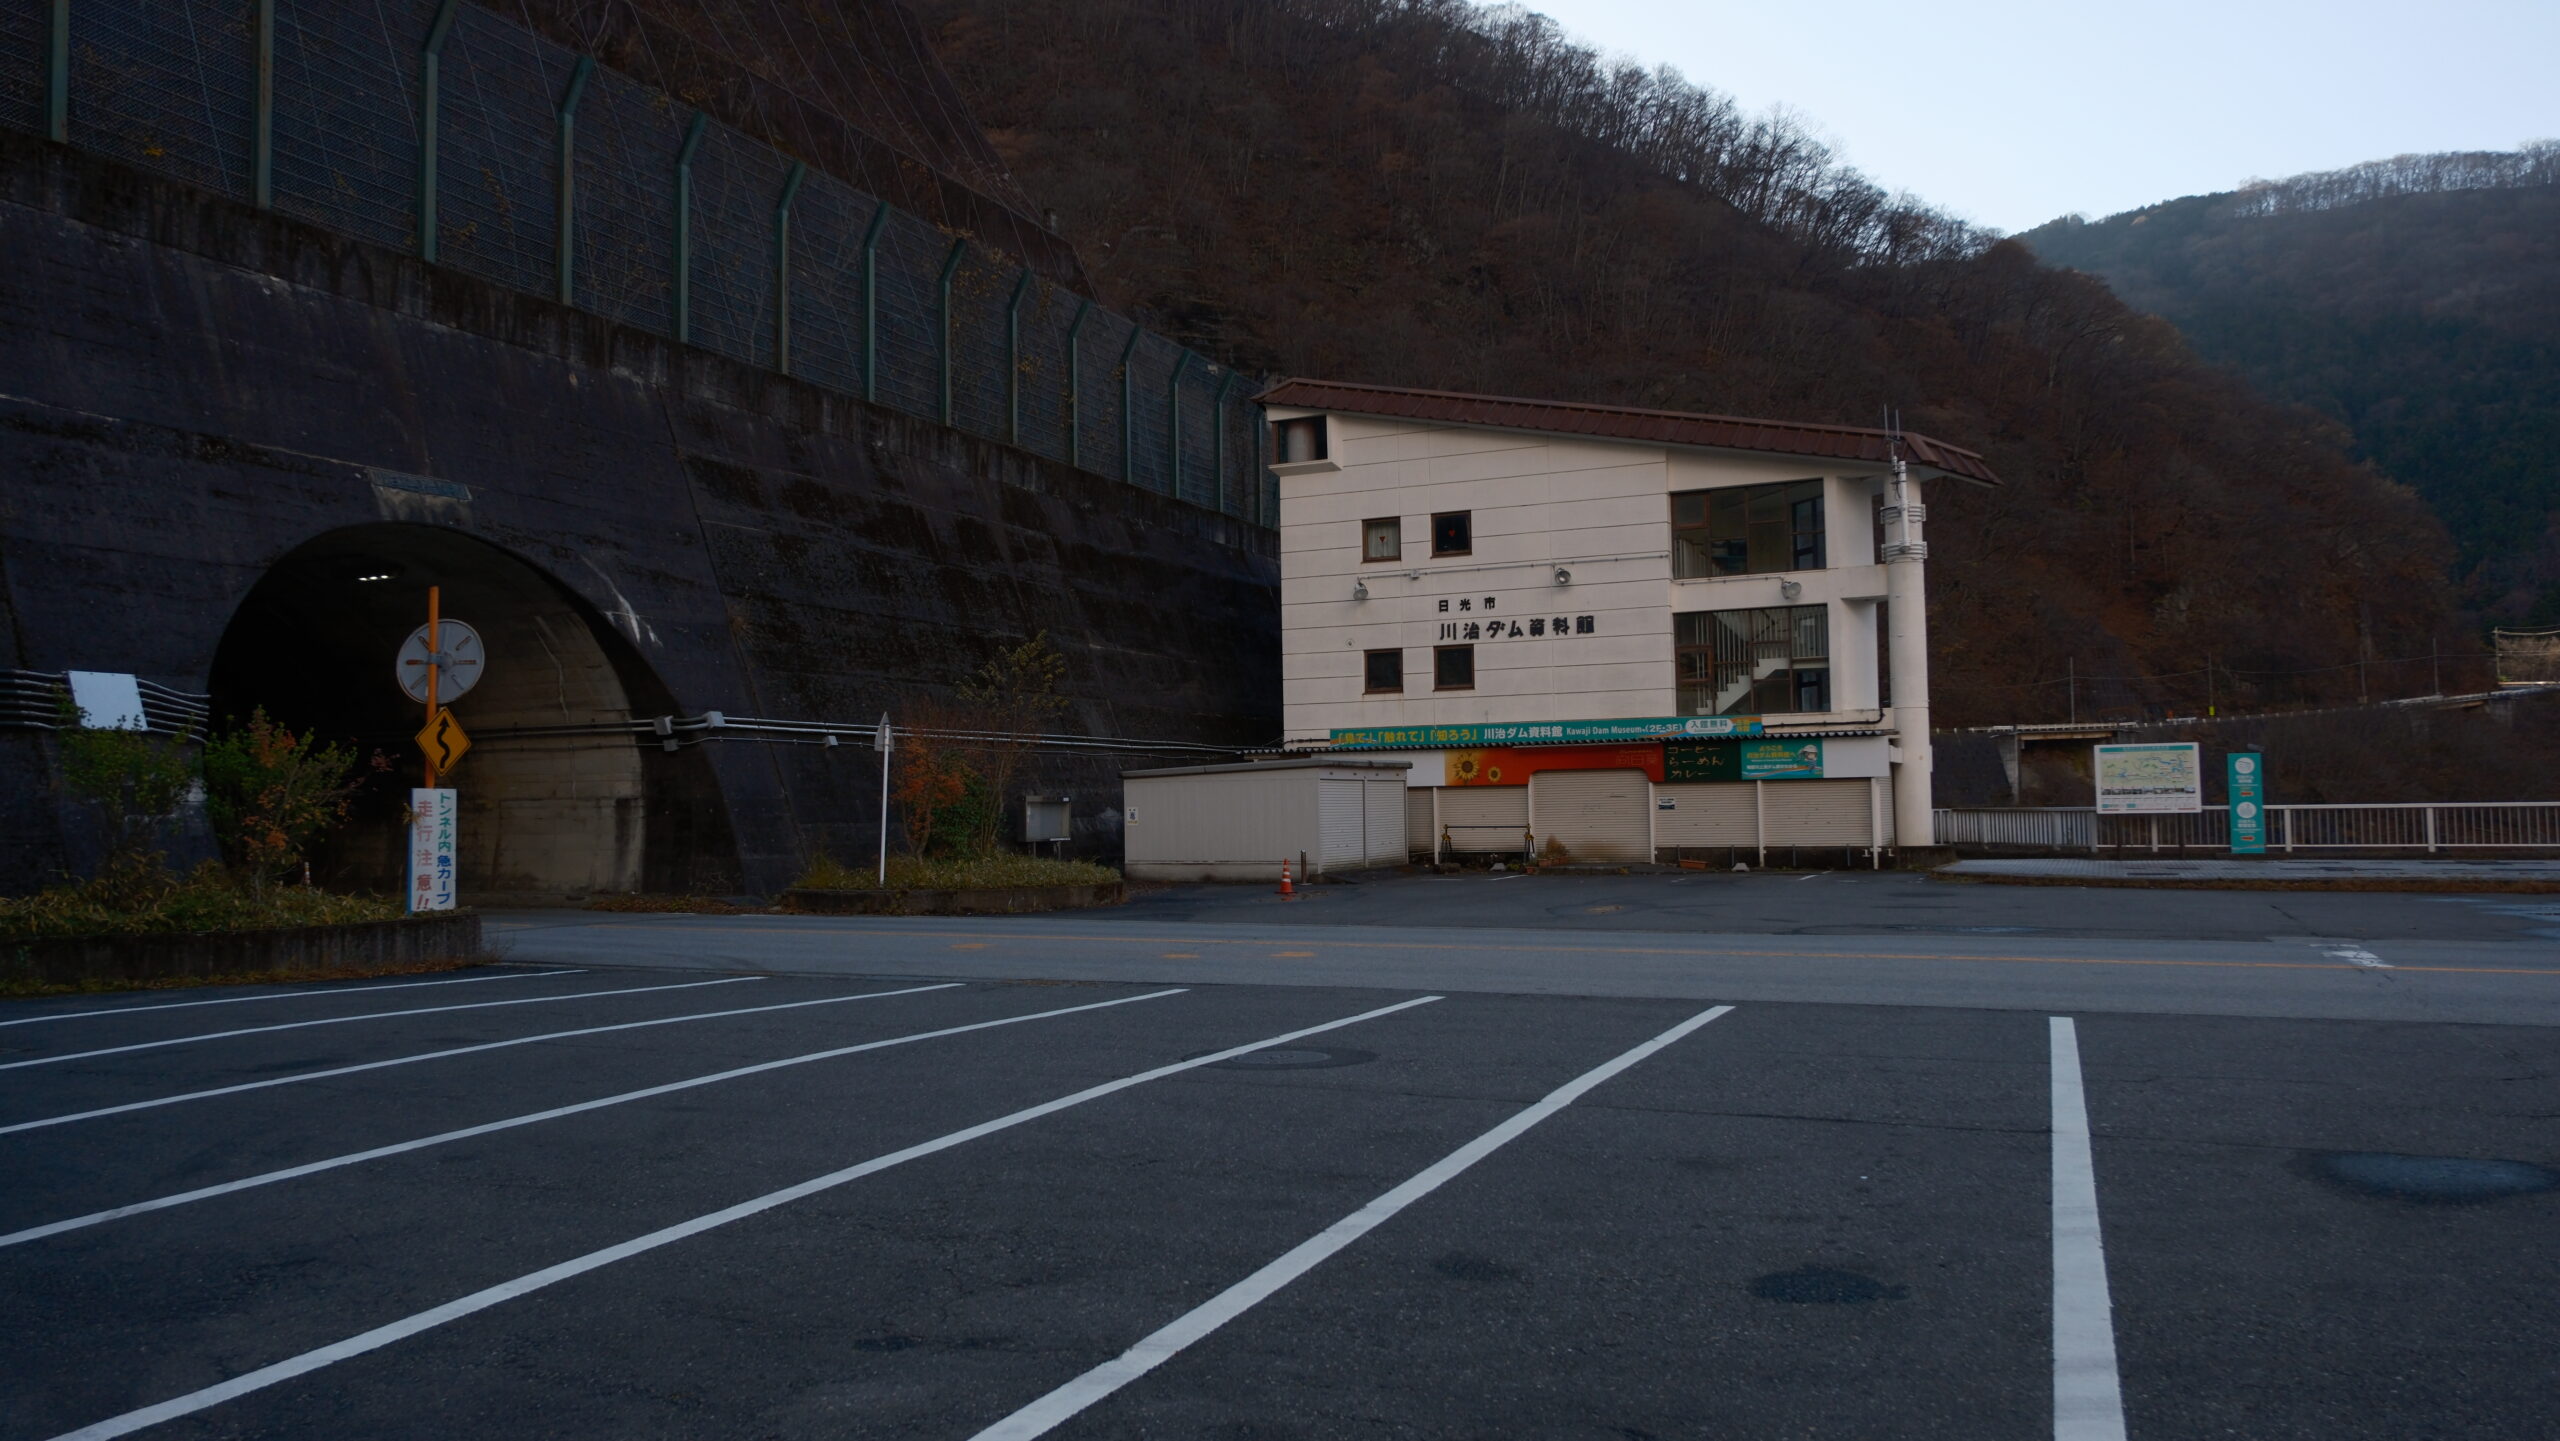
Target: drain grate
x=2430 y=1180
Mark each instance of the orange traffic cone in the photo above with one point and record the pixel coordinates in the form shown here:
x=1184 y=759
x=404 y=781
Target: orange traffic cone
x=1285 y=888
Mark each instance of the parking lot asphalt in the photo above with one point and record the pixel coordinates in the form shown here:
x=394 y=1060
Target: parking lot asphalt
x=803 y=1206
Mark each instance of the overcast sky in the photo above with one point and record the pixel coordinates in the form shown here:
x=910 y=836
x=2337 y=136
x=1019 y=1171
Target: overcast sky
x=2010 y=114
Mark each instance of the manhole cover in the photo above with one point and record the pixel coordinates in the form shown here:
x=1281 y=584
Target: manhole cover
x=1289 y=1060
x=1822 y=1286
x=2432 y=1180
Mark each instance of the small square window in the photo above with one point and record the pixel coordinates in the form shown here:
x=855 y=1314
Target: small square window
x=1385 y=671
x=1297 y=440
x=1382 y=539
x=1453 y=533
x=1453 y=667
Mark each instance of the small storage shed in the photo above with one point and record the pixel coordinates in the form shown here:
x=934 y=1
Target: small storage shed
x=1239 y=822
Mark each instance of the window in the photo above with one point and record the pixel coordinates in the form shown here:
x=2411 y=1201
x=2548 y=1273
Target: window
x=1754 y=662
x=1385 y=672
x=1296 y=440
x=1747 y=529
x=1452 y=533
x=1453 y=667
x=1382 y=539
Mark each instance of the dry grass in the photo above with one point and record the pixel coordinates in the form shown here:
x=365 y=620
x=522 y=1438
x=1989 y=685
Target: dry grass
x=983 y=873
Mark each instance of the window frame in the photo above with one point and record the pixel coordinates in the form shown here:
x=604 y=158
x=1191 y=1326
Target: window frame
x=1369 y=659
x=1700 y=666
x=1281 y=430
x=1733 y=504
x=1438 y=655
x=1466 y=518
x=1395 y=521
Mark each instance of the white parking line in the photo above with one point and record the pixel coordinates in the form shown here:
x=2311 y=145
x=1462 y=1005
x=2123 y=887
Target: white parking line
x=1049 y=1411
x=381 y=1336
x=311 y=993
x=233 y=1090
x=2088 y=1396
x=368 y=1016
x=56 y=1228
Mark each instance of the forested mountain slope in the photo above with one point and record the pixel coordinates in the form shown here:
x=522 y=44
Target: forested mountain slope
x=1422 y=192
x=2415 y=300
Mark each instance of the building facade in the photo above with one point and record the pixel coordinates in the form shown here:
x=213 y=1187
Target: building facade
x=1623 y=632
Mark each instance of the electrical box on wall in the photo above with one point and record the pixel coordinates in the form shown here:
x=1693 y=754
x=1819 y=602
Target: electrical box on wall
x=1047 y=819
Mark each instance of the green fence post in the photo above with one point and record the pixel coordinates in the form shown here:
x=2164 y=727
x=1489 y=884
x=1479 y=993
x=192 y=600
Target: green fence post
x=1128 y=418
x=950 y=263
x=430 y=60
x=1218 y=439
x=1075 y=384
x=684 y=226
x=57 y=75
x=1258 y=428
x=782 y=267
x=262 y=109
x=567 y=143
x=871 y=302
x=1013 y=359
x=1173 y=424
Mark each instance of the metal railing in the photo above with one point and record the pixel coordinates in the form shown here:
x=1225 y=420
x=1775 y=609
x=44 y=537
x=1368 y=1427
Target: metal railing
x=445 y=130
x=2403 y=826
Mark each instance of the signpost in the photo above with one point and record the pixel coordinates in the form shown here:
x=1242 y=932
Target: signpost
x=2158 y=777
x=438 y=663
x=2245 y=774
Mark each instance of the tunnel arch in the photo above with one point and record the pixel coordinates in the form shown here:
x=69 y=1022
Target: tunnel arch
x=544 y=819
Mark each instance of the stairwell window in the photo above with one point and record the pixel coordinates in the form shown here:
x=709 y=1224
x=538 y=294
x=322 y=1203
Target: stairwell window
x=1765 y=661
x=1747 y=530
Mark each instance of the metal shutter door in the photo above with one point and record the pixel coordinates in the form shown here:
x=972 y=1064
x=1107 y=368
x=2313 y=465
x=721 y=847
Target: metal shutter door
x=1706 y=815
x=1385 y=811
x=1820 y=813
x=1338 y=822
x=1485 y=818
x=1596 y=815
x=1419 y=832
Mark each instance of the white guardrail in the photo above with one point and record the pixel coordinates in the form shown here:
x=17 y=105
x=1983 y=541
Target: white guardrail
x=2414 y=826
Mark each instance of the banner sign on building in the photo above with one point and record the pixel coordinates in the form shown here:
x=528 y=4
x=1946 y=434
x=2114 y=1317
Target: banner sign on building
x=432 y=814
x=2245 y=773
x=2162 y=776
x=1536 y=732
x=1751 y=760
x=1507 y=766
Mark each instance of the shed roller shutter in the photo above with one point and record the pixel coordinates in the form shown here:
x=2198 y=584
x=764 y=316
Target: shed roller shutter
x=1594 y=815
x=1386 y=822
x=1820 y=813
x=1419 y=832
x=1339 y=823
x=1706 y=815
x=1485 y=818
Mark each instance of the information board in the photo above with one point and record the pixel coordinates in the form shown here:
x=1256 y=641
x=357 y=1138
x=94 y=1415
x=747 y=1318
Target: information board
x=2155 y=777
x=1751 y=760
x=432 y=815
x=2245 y=773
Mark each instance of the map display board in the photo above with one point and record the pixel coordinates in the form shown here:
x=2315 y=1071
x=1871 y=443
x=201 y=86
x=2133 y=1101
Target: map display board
x=2162 y=776
x=1758 y=760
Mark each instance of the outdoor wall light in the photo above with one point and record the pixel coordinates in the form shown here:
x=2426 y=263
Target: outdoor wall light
x=1790 y=589
x=1359 y=590
x=1563 y=576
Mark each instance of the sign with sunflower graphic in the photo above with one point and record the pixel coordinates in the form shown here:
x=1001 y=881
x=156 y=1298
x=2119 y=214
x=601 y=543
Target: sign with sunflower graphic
x=1513 y=765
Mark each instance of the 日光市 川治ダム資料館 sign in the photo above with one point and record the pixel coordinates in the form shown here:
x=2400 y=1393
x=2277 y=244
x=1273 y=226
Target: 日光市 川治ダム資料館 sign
x=1531 y=732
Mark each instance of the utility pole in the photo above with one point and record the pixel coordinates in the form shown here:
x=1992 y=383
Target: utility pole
x=2071 y=682
x=2435 y=664
x=435 y=600
x=2208 y=686
x=881 y=741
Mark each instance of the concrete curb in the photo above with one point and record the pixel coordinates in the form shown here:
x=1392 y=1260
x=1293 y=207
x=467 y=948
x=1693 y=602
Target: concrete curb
x=987 y=900
x=362 y=945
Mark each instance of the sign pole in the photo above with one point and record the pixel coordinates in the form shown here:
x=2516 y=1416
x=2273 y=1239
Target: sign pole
x=435 y=602
x=882 y=741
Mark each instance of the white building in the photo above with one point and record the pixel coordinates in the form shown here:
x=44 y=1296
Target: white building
x=1628 y=632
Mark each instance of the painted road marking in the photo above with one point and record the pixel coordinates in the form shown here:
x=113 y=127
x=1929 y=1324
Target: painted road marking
x=2355 y=955
x=968 y=945
x=2088 y=1396
x=233 y=1090
x=56 y=1228
x=381 y=1336
x=1292 y=955
x=287 y=996
x=368 y=1016
x=1049 y=1411
x=1182 y=955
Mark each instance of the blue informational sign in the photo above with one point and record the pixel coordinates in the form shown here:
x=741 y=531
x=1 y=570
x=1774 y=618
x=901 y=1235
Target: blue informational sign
x=2246 y=773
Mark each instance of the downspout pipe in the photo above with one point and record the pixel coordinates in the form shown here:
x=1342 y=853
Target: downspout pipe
x=1128 y=418
x=1173 y=424
x=684 y=226
x=566 y=143
x=871 y=302
x=262 y=107
x=942 y=306
x=1013 y=358
x=782 y=266
x=430 y=109
x=57 y=74
x=1218 y=439
x=1075 y=384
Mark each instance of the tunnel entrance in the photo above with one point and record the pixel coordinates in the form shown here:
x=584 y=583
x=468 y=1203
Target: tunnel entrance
x=543 y=819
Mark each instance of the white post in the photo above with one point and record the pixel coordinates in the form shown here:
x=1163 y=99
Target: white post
x=881 y=741
x=1905 y=554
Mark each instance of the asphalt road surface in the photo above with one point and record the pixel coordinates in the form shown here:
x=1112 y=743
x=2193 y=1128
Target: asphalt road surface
x=770 y=1177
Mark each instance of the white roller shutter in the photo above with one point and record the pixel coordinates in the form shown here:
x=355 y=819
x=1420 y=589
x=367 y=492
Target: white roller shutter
x=1419 y=831
x=1820 y=813
x=1339 y=823
x=1484 y=818
x=1386 y=822
x=1597 y=816
x=1707 y=815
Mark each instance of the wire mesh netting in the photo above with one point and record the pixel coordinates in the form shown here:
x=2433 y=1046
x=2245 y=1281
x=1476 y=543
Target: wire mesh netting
x=170 y=86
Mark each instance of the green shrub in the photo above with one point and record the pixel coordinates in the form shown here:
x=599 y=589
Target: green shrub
x=208 y=900
x=271 y=793
x=909 y=873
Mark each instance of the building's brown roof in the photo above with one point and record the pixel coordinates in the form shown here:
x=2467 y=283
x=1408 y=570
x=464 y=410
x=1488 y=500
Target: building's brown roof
x=1622 y=422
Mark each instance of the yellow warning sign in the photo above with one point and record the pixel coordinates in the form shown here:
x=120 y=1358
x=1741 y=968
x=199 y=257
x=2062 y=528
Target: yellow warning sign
x=444 y=742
